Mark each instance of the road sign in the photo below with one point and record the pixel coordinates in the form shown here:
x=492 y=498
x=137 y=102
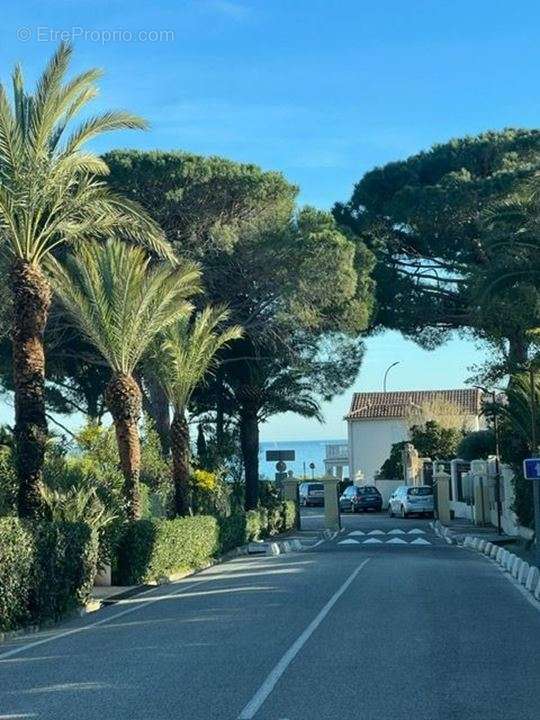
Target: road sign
x=531 y=469
x=277 y=455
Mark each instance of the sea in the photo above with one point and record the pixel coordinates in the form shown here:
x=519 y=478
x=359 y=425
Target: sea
x=306 y=452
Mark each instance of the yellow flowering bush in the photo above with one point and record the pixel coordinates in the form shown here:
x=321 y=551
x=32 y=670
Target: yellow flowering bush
x=205 y=480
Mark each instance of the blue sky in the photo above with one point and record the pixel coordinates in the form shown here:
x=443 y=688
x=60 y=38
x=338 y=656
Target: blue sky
x=321 y=91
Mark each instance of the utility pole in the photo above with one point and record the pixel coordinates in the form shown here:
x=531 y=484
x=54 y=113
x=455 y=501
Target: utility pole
x=497 y=464
x=495 y=417
x=536 y=483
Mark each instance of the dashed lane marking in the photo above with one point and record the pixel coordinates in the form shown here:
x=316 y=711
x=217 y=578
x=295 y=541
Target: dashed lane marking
x=275 y=674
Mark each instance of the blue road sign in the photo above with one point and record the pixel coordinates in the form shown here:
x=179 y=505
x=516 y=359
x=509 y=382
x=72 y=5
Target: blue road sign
x=531 y=469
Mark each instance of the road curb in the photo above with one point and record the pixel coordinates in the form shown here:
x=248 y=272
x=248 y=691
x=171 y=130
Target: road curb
x=526 y=576
x=276 y=547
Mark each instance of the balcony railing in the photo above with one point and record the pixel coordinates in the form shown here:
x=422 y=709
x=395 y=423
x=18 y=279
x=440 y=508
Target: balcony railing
x=337 y=451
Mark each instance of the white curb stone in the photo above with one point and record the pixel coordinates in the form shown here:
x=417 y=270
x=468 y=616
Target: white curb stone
x=481 y=545
x=537 y=591
x=494 y=551
x=467 y=541
x=474 y=543
x=509 y=559
x=487 y=548
x=533 y=579
x=500 y=555
x=523 y=572
x=516 y=567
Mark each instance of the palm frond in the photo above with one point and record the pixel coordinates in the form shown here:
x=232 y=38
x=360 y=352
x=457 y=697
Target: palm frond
x=188 y=352
x=119 y=300
x=51 y=189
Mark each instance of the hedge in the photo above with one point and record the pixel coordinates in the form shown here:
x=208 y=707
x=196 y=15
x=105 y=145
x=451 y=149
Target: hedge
x=150 y=549
x=153 y=548
x=46 y=570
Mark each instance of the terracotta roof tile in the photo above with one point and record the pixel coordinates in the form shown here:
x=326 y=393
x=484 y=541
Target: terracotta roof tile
x=372 y=405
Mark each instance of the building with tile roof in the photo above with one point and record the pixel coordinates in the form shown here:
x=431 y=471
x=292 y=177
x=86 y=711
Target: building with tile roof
x=377 y=420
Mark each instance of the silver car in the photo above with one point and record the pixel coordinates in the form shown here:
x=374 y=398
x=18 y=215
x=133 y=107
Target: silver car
x=409 y=499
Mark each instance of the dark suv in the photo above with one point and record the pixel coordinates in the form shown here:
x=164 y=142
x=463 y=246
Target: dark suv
x=358 y=498
x=311 y=494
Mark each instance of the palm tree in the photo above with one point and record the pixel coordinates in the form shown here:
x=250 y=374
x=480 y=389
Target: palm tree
x=187 y=353
x=52 y=192
x=260 y=391
x=121 y=302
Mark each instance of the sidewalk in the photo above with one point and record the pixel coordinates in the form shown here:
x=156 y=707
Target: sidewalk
x=459 y=528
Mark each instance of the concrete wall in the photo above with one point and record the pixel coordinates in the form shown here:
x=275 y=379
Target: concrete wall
x=509 y=519
x=386 y=488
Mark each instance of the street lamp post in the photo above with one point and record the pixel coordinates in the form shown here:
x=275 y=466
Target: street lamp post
x=386 y=373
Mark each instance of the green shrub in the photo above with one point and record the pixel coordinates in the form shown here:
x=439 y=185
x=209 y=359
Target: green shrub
x=275 y=520
x=46 y=570
x=156 y=547
x=8 y=482
x=150 y=549
x=17 y=560
x=477 y=445
x=256 y=524
x=232 y=531
x=289 y=515
x=66 y=555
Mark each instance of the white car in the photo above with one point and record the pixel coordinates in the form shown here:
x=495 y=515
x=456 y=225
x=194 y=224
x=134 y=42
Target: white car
x=409 y=499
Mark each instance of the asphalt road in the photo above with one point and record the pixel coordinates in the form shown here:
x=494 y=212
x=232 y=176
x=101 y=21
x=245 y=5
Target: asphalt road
x=363 y=631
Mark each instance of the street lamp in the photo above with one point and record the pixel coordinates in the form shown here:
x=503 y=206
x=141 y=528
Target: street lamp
x=386 y=373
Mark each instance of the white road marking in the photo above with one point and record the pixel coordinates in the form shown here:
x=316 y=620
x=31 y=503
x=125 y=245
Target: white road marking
x=324 y=539
x=275 y=674
x=420 y=541
x=417 y=531
x=376 y=532
x=348 y=542
x=397 y=531
x=396 y=541
x=372 y=541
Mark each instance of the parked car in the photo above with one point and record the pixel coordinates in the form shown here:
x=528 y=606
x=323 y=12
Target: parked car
x=311 y=494
x=409 y=499
x=358 y=498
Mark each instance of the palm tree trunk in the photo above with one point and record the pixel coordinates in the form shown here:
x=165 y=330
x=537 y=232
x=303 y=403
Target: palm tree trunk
x=158 y=409
x=249 y=442
x=220 y=414
x=517 y=351
x=31 y=294
x=123 y=398
x=180 y=462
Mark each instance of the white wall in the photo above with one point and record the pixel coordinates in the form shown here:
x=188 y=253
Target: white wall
x=370 y=442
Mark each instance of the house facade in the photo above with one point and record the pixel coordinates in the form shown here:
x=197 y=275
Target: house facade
x=377 y=420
